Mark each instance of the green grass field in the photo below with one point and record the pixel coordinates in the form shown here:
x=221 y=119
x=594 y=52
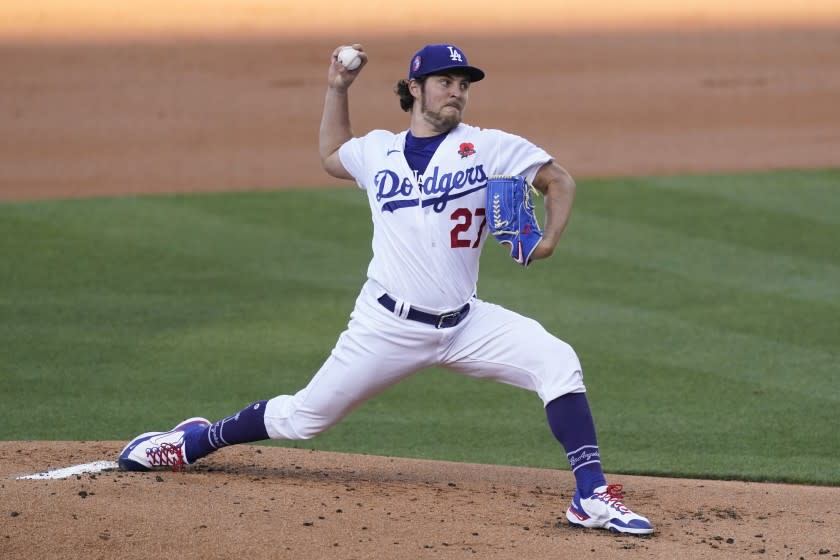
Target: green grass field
x=705 y=310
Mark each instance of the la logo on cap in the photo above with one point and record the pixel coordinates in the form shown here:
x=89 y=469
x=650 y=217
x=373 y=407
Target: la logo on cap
x=454 y=54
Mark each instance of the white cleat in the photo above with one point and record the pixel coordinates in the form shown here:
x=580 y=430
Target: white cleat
x=160 y=449
x=604 y=510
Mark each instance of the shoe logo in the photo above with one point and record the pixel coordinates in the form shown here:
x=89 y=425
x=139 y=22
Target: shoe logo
x=391 y=152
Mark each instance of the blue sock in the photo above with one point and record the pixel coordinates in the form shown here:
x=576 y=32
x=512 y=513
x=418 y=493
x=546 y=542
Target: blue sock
x=571 y=423
x=246 y=426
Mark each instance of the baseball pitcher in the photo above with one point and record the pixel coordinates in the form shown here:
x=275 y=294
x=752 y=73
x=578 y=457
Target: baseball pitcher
x=436 y=191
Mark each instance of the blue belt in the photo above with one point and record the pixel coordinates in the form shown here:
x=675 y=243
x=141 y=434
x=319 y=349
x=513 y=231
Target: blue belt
x=442 y=321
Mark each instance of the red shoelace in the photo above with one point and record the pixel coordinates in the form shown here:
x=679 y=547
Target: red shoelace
x=613 y=496
x=167 y=454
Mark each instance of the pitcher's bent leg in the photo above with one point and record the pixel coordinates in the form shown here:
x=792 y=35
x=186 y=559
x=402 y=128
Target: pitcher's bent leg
x=364 y=362
x=505 y=346
x=318 y=406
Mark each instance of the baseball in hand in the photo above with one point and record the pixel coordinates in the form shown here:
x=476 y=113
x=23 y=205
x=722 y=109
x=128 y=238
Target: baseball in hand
x=349 y=58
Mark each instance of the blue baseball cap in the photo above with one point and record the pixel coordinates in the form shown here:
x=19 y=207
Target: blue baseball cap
x=440 y=58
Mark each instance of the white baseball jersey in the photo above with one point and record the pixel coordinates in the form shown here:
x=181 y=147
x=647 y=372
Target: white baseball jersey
x=428 y=231
x=427 y=236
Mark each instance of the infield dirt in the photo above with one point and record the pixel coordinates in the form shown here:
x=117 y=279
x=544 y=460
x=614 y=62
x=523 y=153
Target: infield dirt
x=81 y=119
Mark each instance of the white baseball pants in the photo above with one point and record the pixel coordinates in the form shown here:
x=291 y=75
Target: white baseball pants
x=379 y=349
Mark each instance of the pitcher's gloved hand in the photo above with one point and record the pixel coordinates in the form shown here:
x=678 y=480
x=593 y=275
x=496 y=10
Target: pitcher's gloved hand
x=510 y=215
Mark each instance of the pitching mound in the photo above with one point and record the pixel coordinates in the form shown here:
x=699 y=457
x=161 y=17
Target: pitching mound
x=264 y=502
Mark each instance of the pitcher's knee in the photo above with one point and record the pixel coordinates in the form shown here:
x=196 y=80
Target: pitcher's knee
x=561 y=373
x=284 y=419
x=307 y=425
x=297 y=426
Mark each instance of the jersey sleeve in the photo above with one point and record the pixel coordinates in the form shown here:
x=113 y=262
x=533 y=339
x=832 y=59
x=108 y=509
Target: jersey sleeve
x=518 y=156
x=532 y=171
x=351 y=154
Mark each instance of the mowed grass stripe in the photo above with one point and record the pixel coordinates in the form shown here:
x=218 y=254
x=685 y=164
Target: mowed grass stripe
x=200 y=238
x=599 y=331
x=808 y=194
x=719 y=262
x=705 y=214
x=778 y=318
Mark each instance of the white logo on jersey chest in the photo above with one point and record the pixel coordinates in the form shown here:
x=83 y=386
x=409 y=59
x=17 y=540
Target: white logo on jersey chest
x=395 y=189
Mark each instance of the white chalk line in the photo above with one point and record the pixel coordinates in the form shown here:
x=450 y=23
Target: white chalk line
x=67 y=472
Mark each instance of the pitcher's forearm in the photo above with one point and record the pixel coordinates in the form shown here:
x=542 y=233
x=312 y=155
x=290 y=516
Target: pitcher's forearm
x=558 y=207
x=335 y=122
x=559 y=190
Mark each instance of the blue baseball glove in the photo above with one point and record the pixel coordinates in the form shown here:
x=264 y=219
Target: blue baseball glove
x=510 y=215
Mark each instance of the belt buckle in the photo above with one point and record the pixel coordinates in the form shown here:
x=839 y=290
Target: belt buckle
x=448 y=320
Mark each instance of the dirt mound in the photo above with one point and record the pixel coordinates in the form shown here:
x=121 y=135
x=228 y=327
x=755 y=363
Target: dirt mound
x=265 y=502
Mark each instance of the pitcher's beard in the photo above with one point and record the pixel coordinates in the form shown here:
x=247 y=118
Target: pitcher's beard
x=440 y=120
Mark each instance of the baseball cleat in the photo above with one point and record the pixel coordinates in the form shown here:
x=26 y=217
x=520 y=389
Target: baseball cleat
x=604 y=510
x=160 y=449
